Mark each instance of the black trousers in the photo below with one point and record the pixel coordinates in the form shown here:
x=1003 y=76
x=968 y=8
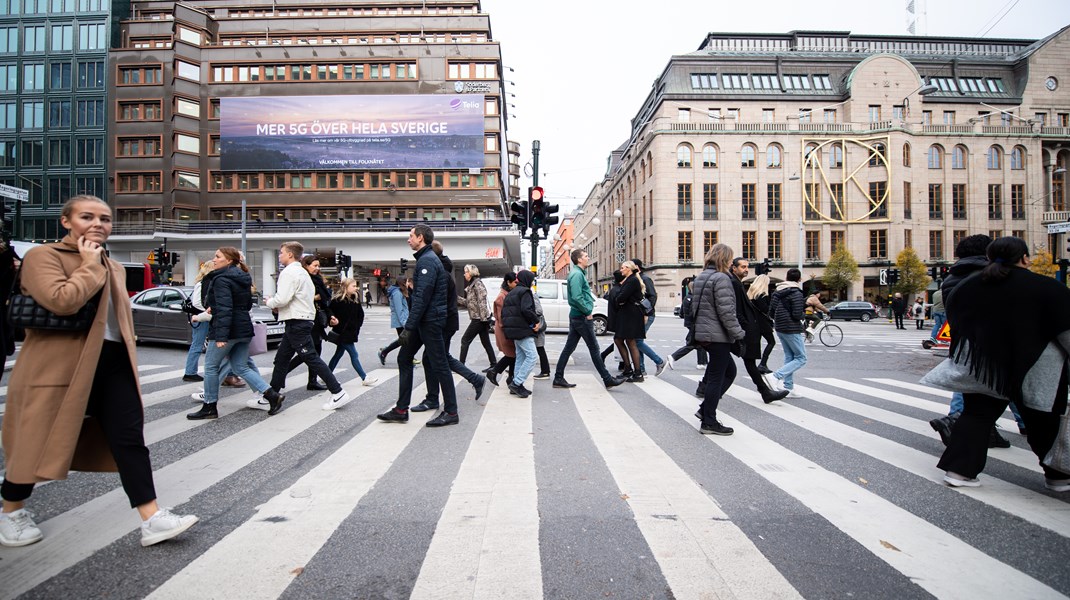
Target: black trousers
x=770 y=343
x=505 y=363
x=456 y=366
x=751 y=365
x=297 y=340
x=481 y=329
x=430 y=336
x=899 y=323
x=967 y=450
x=394 y=344
x=720 y=374
x=682 y=351
x=318 y=333
x=115 y=403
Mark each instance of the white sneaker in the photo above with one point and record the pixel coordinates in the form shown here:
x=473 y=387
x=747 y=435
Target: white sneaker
x=956 y=480
x=337 y=401
x=793 y=394
x=672 y=364
x=370 y=381
x=258 y=402
x=1057 y=485
x=701 y=367
x=18 y=529
x=164 y=525
x=777 y=385
x=198 y=397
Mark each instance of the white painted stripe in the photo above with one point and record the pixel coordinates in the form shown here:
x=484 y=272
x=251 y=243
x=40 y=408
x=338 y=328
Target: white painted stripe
x=486 y=543
x=251 y=563
x=140 y=369
x=1014 y=455
x=937 y=407
x=78 y=533
x=908 y=543
x=914 y=387
x=700 y=551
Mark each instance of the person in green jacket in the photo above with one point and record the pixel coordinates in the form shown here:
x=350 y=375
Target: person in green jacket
x=581 y=307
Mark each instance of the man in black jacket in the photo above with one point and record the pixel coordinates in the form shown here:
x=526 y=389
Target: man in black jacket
x=748 y=318
x=788 y=308
x=425 y=326
x=650 y=293
x=971 y=256
x=520 y=323
x=899 y=306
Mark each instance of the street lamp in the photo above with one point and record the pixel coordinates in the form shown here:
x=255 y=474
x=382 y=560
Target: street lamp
x=802 y=232
x=923 y=90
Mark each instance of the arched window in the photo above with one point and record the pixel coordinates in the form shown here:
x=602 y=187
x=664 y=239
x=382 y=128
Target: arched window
x=642 y=169
x=995 y=157
x=936 y=157
x=683 y=156
x=958 y=157
x=906 y=155
x=649 y=164
x=709 y=156
x=772 y=156
x=1018 y=158
x=811 y=149
x=875 y=156
x=747 y=156
x=835 y=156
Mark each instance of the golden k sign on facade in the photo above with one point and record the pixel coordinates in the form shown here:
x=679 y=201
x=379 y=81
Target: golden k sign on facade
x=854 y=168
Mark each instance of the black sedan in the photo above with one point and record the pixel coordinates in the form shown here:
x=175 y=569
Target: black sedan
x=848 y=311
x=158 y=317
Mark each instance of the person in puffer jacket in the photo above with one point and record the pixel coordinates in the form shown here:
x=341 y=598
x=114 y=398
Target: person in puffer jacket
x=717 y=329
x=788 y=307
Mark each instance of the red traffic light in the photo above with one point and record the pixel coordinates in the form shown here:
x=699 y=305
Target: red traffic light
x=535 y=193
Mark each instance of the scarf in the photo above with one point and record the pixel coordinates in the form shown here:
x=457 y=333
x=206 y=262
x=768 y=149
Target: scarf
x=1001 y=351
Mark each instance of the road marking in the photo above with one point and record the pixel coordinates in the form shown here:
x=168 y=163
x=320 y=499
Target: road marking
x=486 y=543
x=883 y=394
x=251 y=563
x=700 y=551
x=916 y=387
x=78 y=533
x=908 y=543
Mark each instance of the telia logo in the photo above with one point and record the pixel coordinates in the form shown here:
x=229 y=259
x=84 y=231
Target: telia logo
x=457 y=104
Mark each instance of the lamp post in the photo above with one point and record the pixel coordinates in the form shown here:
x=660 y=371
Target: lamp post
x=802 y=231
x=923 y=90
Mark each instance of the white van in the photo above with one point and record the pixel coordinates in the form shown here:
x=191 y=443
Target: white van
x=553 y=295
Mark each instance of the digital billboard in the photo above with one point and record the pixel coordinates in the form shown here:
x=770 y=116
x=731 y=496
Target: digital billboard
x=286 y=133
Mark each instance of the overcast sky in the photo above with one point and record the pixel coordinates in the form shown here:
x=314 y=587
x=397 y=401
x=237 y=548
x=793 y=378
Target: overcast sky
x=584 y=67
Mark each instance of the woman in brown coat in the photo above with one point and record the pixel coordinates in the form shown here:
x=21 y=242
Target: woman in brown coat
x=73 y=398
x=505 y=345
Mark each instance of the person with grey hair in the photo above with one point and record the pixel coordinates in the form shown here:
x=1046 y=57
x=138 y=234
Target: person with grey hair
x=475 y=300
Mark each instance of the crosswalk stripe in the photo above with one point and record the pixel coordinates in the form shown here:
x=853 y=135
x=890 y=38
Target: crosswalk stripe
x=305 y=515
x=937 y=407
x=916 y=387
x=141 y=369
x=486 y=543
x=85 y=529
x=1040 y=509
x=700 y=551
x=1014 y=455
x=908 y=543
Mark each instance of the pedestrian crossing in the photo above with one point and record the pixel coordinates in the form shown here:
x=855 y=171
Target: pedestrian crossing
x=576 y=493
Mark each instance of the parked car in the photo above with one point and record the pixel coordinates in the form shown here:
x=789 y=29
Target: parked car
x=553 y=295
x=158 y=317
x=848 y=311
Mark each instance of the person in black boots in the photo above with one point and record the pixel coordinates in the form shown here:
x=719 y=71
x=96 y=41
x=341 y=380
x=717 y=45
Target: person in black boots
x=505 y=345
x=717 y=328
x=630 y=321
x=749 y=318
x=761 y=299
x=322 y=301
x=899 y=306
x=689 y=341
x=611 y=315
x=520 y=324
x=452 y=326
x=475 y=301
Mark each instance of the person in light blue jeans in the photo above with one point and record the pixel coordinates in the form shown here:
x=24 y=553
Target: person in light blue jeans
x=794 y=358
x=788 y=308
x=198 y=327
x=645 y=351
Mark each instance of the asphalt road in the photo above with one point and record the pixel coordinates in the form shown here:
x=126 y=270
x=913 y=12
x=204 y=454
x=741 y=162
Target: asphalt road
x=581 y=493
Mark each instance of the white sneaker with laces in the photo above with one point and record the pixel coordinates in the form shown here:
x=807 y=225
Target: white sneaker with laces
x=956 y=480
x=701 y=367
x=793 y=394
x=337 y=401
x=198 y=397
x=672 y=364
x=777 y=385
x=164 y=525
x=1057 y=485
x=17 y=528
x=258 y=402
x=369 y=381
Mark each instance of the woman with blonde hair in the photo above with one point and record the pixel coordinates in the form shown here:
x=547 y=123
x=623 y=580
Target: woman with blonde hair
x=198 y=326
x=347 y=317
x=718 y=329
x=630 y=321
x=73 y=400
x=760 y=297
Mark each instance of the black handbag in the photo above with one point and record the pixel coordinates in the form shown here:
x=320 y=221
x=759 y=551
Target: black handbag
x=23 y=311
x=333 y=337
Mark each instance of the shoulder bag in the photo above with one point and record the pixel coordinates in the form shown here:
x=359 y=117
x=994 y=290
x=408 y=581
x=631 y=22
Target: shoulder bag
x=258 y=345
x=23 y=311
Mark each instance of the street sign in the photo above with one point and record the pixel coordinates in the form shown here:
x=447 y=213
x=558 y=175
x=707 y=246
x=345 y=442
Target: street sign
x=8 y=191
x=1059 y=227
x=884 y=277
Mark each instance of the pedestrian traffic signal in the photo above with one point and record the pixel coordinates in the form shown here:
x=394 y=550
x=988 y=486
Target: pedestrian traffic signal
x=944 y=272
x=521 y=216
x=762 y=268
x=175 y=257
x=893 y=276
x=549 y=217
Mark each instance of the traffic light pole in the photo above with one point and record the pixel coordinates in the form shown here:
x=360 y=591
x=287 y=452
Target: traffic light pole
x=535 y=183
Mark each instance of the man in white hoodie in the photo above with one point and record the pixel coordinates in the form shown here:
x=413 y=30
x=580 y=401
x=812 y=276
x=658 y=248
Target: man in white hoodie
x=294 y=302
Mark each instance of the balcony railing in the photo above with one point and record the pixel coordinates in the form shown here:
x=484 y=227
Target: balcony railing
x=169 y=226
x=1055 y=216
x=807 y=127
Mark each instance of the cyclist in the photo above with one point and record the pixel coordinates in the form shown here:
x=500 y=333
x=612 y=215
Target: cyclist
x=813 y=307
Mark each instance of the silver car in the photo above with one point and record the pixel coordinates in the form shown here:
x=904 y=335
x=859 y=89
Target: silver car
x=158 y=317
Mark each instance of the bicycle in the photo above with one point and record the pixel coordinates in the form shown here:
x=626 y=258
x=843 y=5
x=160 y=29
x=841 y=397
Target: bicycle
x=828 y=332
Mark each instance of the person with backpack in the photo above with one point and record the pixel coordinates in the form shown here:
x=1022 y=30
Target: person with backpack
x=788 y=308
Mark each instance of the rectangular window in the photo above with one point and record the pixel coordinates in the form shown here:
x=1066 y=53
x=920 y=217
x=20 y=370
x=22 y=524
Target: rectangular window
x=906 y=200
x=704 y=81
x=709 y=201
x=683 y=201
x=7 y=154
x=926 y=117
x=747 y=196
x=897 y=112
x=908 y=238
x=33 y=115
x=187 y=143
x=60 y=78
x=190 y=108
x=91 y=75
x=188 y=70
x=90 y=152
x=836 y=239
x=1020 y=234
x=768 y=115
x=836 y=207
x=150 y=110
x=874 y=113
x=59 y=114
x=774 y=250
x=59 y=153
x=683 y=246
x=995 y=201
x=33 y=39
x=830 y=115
x=995 y=233
x=878 y=243
x=62 y=38
x=958 y=201
x=137 y=182
x=878 y=202
x=949 y=117
x=1017 y=200
x=773 y=207
x=92 y=37
x=1041 y=118
x=936 y=244
x=805 y=115
x=936 y=201
x=9 y=38
x=750 y=243
x=138 y=75
x=709 y=240
x=813 y=245
x=33 y=78
x=957 y=236
x=683 y=115
x=813 y=200
x=33 y=153
x=139 y=146
x=90 y=113
x=59 y=189
x=8 y=113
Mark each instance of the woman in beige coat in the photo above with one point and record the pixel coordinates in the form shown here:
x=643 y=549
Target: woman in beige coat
x=73 y=398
